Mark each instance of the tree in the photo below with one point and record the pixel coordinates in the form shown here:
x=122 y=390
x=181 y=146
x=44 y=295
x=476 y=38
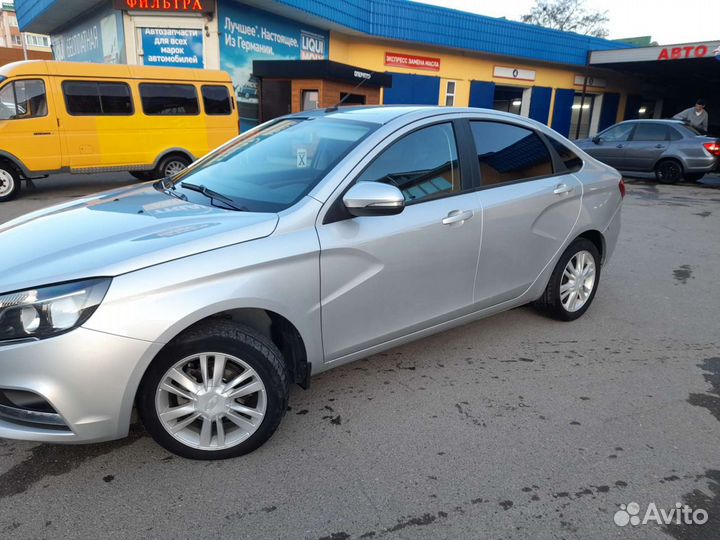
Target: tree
x=568 y=16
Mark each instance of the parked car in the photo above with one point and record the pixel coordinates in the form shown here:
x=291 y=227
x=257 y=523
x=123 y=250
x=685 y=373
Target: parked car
x=88 y=118
x=669 y=149
x=308 y=242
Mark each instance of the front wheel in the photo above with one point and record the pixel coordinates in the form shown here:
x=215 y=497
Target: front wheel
x=9 y=182
x=170 y=166
x=219 y=392
x=573 y=283
x=668 y=172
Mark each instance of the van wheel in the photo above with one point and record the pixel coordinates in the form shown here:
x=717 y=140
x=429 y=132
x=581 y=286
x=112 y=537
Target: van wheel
x=573 y=283
x=218 y=392
x=9 y=182
x=170 y=166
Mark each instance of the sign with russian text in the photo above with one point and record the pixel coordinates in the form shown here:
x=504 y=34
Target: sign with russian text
x=409 y=61
x=100 y=39
x=169 y=6
x=509 y=72
x=249 y=34
x=172 y=47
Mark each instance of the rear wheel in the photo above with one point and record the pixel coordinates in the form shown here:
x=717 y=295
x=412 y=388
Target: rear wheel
x=573 y=283
x=219 y=392
x=170 y=166
x=9 y=182
x=669 y=171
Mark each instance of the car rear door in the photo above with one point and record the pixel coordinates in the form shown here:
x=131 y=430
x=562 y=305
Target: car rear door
x=648 y=142
x=530 y=202
x=383 y=277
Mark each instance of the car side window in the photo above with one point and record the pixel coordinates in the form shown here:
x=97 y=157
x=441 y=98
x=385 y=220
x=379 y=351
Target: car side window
x=423 y=165
x=569 y=158
x=619 y=133
x=675 y=135
x=216 y=100
x=23 y=99
x=507 y=153
x=650 y=132
x=90 y=98
x=160 y=99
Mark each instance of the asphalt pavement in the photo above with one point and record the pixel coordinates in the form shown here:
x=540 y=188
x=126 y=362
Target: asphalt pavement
x=516 y=426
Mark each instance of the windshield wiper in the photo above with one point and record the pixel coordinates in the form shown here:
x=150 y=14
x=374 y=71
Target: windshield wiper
x=214 y=195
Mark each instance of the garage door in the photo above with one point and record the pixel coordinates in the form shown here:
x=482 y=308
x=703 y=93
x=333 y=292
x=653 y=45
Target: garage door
x=412 y=90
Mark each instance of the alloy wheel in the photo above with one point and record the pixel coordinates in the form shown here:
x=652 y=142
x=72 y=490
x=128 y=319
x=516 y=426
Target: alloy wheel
x=174 y=167
x=211 y=401
x=578 y=281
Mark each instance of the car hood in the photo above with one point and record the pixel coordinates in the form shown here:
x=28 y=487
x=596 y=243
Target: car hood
x=116 y=232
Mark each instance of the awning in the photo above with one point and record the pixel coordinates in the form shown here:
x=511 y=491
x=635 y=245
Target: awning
x=319 y=69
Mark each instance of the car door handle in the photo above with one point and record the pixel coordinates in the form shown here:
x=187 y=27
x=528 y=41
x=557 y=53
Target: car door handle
x=42 y=133
x=619 y=146
x=659 y=146
x=457 y=216
x=563 y=188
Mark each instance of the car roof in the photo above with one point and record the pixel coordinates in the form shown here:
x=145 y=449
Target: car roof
x=655 y=121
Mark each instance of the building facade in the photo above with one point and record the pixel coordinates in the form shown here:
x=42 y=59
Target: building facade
x=361 y=51
x=12 y=38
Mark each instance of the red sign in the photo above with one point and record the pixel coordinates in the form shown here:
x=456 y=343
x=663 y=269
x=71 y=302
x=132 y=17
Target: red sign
x=412 y=62
x=679 y=53
x=173 y=6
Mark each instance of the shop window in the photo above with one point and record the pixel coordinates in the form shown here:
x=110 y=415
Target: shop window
x=216 y=100
x=509 y=153
x=508 y=99
x=450 y=94
x=352 y=99
x=23 y=99
x=169 y=99
x=97 y=98
x=423 y=164
x=310 y=100
x=580 y=123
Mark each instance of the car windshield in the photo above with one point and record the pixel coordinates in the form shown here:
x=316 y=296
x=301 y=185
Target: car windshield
x=272 y=168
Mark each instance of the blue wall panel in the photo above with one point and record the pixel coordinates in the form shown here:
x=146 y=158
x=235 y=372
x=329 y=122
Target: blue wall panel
x=482 y=94
x=608 y=114
x=562 y=113
x=540 y=103
x=412 y=90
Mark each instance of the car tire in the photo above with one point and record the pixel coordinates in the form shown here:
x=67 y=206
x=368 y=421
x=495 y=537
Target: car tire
x=694 y=177
x=668 y=171
x=218 y=424
x=9 y=182
x=170 y=166
x=561 y=299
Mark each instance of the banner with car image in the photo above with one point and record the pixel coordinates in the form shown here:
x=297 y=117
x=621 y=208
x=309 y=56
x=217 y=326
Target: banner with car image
x=250 y=34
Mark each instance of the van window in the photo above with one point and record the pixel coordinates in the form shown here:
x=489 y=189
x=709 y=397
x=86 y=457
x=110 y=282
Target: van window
x=97 y=98
x=216 y=100
x=23 y=99
x=169 y=99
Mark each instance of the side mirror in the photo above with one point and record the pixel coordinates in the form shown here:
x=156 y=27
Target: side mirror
x=597 y=139
x=374 y=199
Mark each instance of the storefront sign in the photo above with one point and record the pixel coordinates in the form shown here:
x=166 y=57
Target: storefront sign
x=507 y=72
x=594 y=82
x=685 y=51
x=168 y=6
x=412 y=62
x=249 y=34
x=100 y=39
x=172 y=47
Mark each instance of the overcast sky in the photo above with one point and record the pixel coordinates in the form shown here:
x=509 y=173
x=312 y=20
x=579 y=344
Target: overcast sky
x=667 y=21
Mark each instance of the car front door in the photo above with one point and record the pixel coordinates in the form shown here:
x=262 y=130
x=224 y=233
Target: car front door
x=647 y=144
x=609 y=146
x=28 y=125
x=383 y=277
x=529 y=208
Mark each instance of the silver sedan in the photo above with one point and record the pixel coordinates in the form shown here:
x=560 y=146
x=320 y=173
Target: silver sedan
x=311 y=241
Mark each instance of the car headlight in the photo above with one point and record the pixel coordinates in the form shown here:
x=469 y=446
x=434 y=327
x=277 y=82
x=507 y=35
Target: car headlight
x=49 y=311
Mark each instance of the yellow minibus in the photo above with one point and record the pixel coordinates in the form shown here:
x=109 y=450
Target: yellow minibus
x=88 y=118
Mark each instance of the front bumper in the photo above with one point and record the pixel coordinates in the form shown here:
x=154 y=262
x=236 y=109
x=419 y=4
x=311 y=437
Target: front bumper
x=89 y=378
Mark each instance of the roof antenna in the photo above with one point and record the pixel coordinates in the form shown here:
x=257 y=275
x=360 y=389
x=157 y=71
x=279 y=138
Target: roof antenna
x=348 y=94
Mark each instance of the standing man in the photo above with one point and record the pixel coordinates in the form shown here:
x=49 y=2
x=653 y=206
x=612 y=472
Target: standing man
x=696 y=116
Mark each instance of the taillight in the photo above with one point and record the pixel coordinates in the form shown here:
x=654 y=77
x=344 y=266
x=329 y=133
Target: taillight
x=621 y=186
x=713 y=148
